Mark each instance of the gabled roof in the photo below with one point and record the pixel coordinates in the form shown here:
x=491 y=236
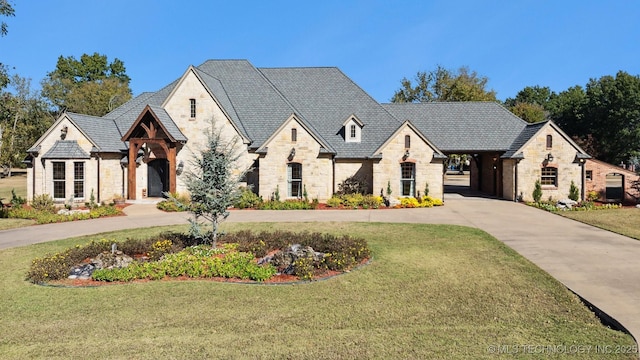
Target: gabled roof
x=247 y=97
x=163 y=119
x=462 y=127
x=325 y=97
x=527 y=134
x=66 y=149
x=102 y=132
x=437 y=154
x=515 y=150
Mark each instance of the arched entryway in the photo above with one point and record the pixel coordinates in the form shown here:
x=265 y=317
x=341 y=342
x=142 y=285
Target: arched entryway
x=151 y=143
x=157 y=177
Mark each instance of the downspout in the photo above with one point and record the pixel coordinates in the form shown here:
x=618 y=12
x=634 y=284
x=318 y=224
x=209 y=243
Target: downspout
x=582 y=166
x=515 y=181
x=98 y=158
x=333 y=175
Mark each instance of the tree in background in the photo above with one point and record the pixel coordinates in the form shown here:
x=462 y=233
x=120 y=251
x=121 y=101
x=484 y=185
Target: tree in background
x=531 y=104
x=24 y=117
x=612 y=115
x=444 y=85
x=91 y=85
x=5 y=10
x=212 y=185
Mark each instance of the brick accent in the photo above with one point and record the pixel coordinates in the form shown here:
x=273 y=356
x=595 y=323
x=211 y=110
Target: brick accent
x=599 y=170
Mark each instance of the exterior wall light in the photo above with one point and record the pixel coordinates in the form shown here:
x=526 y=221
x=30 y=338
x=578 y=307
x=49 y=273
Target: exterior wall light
x=180 y=168
x=63 y=132
x=549 y=157
x=406 y=155
x=292 y=154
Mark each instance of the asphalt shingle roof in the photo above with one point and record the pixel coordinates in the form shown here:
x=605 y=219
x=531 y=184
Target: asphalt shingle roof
x=462 y=127
x=259 y=108
x=527 y=133
x=326 y=98
x=259 y=100
x=102 y=131
x=66 y=149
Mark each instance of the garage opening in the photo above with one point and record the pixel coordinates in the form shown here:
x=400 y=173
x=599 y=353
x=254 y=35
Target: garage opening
x=615 y=187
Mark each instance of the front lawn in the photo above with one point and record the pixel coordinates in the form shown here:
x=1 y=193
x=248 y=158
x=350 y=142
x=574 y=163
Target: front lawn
x=625 y=221
x=432 y=291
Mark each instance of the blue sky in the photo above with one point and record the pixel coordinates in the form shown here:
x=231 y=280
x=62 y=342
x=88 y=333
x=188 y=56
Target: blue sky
x=514 y=43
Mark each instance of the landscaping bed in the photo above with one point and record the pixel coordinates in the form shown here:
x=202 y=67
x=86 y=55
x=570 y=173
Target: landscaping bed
x=268 y=257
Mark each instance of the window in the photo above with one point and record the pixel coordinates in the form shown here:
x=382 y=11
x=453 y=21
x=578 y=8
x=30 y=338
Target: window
x=59 y=180
x=192 y=103
x=407 y=141
x=549 y=176
x=589 y=175
x=408 y=178
x=294 y=179
x=78 y=180
x=294 y=135
x=549 y=141
x=352 y=131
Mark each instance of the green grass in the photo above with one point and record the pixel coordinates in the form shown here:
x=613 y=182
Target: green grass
x=432 y=291
x=625 y=221
x=17 y=182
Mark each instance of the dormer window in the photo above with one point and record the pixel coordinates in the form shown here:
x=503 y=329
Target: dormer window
x=352 y=130
x=192 y=103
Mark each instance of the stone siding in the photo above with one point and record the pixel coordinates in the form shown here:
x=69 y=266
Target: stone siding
x=387 y=170
x=317 y=169
x=564 y=159
x=360 y=169
x=196 y=129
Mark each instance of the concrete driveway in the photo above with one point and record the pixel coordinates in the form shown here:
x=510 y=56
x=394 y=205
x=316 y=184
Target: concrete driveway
x=600 y=266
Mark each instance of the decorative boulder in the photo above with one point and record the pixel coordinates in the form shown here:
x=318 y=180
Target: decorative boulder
x=566 y=204
x=284 y=260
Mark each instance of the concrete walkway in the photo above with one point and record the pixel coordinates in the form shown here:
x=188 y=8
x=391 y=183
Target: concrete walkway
x=600 y=266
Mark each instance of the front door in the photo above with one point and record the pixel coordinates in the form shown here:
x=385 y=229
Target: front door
x=157 y=177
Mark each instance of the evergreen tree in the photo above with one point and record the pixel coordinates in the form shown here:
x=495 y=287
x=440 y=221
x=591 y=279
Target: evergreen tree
x=212 y=185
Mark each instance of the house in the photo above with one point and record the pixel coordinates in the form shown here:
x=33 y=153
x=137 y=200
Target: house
x=612 y=183
x=298 y=129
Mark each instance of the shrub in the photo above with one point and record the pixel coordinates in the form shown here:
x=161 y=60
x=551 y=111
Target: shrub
x=247 y=199
x=43 y=202
x=353 y=185
x=334 y=202
x=574 y=192
x=537 y=192
x=424 y=201
x=593 y=196
x=175 y=203
x=293 y=204
x=17 y=200
x=169 y=206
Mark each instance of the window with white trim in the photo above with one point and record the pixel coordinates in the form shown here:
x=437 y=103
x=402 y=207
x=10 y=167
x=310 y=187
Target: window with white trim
x=408 y=179
x=59 y=183
x=294 y=180
x=352 y=131
x=549 y=176
x=78 y=180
